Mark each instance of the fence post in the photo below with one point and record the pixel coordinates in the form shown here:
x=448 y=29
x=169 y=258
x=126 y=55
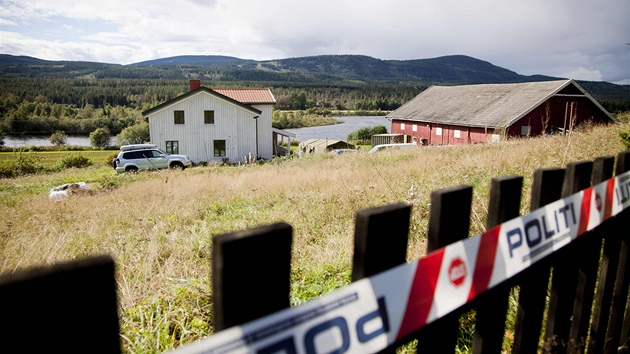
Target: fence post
x=565 y=276
x=546 y=188
x=620 y=294
x=587 y=252
x=251 y=274
x=380 y=239
x=380 y=242
x=602 y=170
x=504 y=204
x=69 y=307
x=449 y=222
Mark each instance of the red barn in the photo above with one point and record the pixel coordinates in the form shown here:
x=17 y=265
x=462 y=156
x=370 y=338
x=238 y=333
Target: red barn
x=452 y=115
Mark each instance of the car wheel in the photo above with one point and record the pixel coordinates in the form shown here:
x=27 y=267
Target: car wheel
x=177 y=166
x=131 y=169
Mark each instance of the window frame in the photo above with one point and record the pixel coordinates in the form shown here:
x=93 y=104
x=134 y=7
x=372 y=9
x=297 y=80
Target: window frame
x=172 y=147
x=179 y=120
x=217 y=149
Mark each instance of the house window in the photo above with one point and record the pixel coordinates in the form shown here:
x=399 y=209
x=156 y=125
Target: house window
x=172 y=147
x=457 y=134
x=219 y=148
x=208 y=117
x=179 y=117
x=414 y=127
x=402 y=126
x=526 y=130
x=438 y=131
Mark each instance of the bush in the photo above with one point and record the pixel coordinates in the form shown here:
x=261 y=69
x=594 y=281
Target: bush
x=135 y=134
x=99 y=138
x=58 y=138
x=108 y=160
x=365 y=133
x=73 y=160
x=23 y=163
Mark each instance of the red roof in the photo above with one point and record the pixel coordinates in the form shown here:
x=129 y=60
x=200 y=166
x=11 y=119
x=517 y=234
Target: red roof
x=248 y=95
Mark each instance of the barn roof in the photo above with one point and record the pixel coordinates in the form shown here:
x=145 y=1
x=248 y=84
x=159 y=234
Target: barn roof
x=488 y=105
x=248 y=95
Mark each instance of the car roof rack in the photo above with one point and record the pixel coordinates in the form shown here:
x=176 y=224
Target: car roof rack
x=137 y=147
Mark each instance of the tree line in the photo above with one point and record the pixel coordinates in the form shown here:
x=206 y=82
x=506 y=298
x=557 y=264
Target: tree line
x=45 y=105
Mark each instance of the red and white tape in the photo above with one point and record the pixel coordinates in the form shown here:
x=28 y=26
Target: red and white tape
x=370 y=314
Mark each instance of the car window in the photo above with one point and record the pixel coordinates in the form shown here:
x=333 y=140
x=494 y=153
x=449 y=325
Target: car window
x=154 y=153
x=130 y=155
x=140 y=154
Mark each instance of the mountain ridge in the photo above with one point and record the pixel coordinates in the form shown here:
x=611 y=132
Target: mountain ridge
x=322 y=70
x=366 y=67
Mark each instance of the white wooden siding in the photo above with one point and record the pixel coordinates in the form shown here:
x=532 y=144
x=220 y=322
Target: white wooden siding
x=265 y=135
x=232 y=123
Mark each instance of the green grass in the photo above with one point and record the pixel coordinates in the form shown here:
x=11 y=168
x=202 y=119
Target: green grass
x=50 y=158
x=158 y=226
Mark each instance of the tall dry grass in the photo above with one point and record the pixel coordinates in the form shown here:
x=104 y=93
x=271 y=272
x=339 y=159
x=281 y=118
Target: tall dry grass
x=159 y=227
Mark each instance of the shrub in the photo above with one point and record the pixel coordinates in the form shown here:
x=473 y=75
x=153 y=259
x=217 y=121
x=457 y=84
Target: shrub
x=135 y=134
x=108 y=160
x=73 y=160
x=58 y=138
x=99 y=138
x=365 y=133
x=23 y=163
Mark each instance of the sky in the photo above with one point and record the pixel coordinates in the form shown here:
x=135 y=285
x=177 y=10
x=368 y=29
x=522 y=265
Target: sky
x=578 y=39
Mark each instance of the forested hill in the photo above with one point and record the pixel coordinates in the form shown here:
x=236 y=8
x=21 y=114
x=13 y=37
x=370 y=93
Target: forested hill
x=457 y=69
x=315 y=71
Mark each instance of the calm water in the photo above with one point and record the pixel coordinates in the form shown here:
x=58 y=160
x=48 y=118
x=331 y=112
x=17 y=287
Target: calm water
x=339 y=131
x=332 y=132
x=42 y=140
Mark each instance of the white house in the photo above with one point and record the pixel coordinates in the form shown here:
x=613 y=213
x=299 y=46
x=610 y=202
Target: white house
x=214 y=125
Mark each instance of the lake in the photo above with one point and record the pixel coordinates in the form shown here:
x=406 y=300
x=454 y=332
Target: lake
x=43 y=140
x=332 y=132
x=339 y=131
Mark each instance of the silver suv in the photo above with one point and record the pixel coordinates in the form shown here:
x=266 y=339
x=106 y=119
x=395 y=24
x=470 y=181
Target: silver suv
x=133 y=158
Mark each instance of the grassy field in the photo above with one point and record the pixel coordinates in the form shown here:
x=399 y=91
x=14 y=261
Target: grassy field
x=51 y=157
x=158 y=225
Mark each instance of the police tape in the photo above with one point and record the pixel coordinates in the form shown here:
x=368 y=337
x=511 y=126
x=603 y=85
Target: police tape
x=370 y=314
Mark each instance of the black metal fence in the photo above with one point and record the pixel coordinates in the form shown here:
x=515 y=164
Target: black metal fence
x=574 y=301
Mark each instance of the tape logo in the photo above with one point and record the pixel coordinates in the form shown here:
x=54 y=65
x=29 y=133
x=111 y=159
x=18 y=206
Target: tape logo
x=457 y=272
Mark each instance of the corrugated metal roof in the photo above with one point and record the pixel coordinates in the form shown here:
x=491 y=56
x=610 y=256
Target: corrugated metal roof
x=248 y=95
x=488 y=105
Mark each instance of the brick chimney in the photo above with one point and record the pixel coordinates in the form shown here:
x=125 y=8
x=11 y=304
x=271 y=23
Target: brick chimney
x=194 y=84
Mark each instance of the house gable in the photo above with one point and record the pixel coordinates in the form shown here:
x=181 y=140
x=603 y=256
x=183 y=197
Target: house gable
x=194 y=92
